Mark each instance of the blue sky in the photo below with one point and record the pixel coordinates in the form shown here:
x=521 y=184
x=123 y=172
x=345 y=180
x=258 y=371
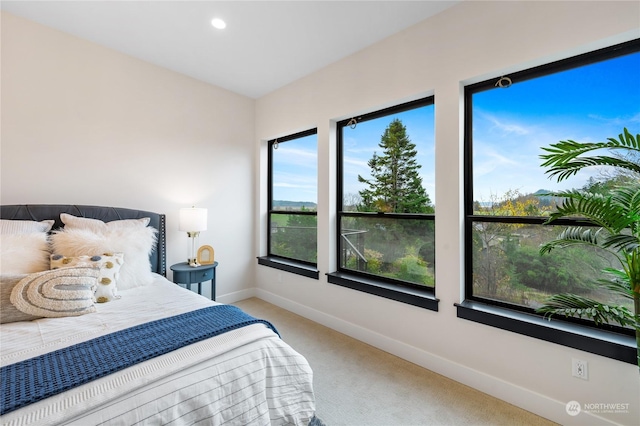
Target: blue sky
x=295 y=165
x=588 y=104
x=510 y=126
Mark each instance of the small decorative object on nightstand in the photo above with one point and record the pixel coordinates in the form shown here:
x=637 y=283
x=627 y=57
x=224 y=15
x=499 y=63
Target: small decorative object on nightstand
x=205 y=255
x=183 y=273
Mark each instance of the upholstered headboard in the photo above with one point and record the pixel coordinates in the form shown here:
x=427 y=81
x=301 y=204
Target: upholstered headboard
x=40 y=212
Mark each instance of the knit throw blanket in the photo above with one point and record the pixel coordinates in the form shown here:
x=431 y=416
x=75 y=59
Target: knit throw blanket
x=46 y=375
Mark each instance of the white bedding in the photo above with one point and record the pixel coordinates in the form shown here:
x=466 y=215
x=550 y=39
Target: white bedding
x=246 y=376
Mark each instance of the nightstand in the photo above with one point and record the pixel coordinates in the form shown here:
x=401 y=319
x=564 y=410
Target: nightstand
x=185 y=274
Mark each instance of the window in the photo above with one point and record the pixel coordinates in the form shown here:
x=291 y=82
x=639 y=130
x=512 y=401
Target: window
x=293 y=195
x=386 y=204
x=591 y=97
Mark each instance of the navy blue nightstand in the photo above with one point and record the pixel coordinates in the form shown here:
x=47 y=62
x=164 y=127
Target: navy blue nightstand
x=185 y=274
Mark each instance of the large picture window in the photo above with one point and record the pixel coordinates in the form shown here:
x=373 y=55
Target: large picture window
x=293 y=196
x=509 y=120
x=386 y=204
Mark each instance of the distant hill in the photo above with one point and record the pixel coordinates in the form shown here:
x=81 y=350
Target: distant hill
x=538 y=196
x=545 y=200
x=294 y=205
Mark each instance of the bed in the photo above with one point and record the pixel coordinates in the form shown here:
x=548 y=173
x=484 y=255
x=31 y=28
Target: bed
x=128 y=347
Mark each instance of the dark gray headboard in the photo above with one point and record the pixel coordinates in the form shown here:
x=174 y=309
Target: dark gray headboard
x=40 y=212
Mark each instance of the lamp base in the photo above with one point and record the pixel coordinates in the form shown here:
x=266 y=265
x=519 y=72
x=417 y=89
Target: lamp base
x=192 y=260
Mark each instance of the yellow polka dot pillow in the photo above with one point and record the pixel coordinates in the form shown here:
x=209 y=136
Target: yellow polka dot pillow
x=109 y=264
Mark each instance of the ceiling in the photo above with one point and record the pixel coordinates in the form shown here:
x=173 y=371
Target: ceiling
x=266 y=45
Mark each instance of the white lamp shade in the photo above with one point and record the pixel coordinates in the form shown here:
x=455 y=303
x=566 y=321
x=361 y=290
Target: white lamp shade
x=193 y=219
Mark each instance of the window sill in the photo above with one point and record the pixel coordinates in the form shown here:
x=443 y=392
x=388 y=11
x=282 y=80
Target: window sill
x=289 y=266
x=600 y=342
x=416 y=297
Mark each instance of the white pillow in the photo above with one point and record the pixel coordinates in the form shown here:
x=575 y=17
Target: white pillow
x=74 y=222
x=135 y=242
x=24 y=226
x=24 y=253
x=109 y=264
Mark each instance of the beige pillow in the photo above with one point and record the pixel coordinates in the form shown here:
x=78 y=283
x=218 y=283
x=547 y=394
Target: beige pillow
x=24 y=253
x=8 y=312
x=24 y=226
x=49 y=294
x=136 y=243
x=109 y=265
x=74 y=222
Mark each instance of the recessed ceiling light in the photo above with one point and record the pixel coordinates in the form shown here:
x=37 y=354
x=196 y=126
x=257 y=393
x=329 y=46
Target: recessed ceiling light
x=218 y=23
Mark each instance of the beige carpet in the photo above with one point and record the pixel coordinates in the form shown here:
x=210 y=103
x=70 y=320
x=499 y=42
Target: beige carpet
x=357 y=384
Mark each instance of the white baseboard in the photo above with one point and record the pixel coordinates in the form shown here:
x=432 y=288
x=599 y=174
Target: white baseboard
x=526 y=399
x=236 y=296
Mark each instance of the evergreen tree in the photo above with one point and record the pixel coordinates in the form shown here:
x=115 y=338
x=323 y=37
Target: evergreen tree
x=395 y=185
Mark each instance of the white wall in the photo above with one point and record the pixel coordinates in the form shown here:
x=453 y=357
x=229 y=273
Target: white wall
x=82 y=124
x=468 y=43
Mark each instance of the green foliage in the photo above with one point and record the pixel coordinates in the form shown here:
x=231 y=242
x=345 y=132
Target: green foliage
x=565 y=272
x=413 y=269
x=297 y=238
x=374 y=262
x=508 y=267
x=390 y=247
x=427 y=251
x=616 y=216
x=395 y=185
x=280 y=248
x=604 y=187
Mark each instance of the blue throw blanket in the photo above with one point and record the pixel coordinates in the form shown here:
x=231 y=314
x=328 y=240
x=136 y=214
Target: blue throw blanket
x=46 y=375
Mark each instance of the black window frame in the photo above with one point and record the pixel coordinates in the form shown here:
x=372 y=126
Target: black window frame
x=296 y=266
x=389 y=288
x=609 y=341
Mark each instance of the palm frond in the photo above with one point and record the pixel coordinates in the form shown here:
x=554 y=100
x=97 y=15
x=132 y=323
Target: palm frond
x=601 y=210
x=565 y=171
x=629 y=197
x=619 y=282
x=626 y=139
x=574 y=235
x=564 y=158
x=571 y=305
x=621 y=242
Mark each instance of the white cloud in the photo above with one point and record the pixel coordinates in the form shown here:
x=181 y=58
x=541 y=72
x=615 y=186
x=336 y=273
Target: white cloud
x=490 y=160
x=616 y=121
x=291 y=185
x=504 y=126
x=296 y=156
x=357 y=162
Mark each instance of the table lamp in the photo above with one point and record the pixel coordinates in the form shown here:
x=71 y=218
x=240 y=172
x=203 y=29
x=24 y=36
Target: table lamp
x=192 y=221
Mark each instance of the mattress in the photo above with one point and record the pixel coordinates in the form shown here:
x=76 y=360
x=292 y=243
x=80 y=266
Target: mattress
x=245 y=376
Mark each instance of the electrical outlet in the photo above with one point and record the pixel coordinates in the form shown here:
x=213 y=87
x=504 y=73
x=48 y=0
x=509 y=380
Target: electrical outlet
x=580 y=369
